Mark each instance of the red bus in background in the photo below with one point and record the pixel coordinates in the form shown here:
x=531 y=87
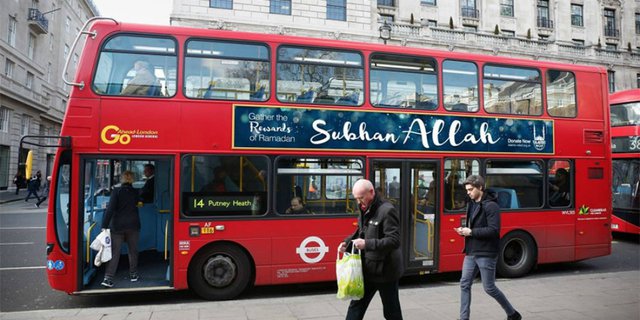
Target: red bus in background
x=625 y=148
x=237 y=124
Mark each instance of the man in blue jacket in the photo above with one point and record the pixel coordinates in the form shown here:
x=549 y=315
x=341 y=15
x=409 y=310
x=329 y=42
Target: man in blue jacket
x=481 y=244
x=378 y=238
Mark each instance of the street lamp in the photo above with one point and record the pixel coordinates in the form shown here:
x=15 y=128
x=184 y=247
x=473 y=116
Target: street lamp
x=385 y=32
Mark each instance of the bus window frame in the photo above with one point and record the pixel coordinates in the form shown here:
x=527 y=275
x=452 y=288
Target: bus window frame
x=267 y=194
x=443 y=174
x=431 y=60
x=176 y=54
x=572 y=185
x=479 y=78
x=546 y=93
x=323 y=193
x=362 y=67
x=186 y=55
x=543 y=188
x=541 y=82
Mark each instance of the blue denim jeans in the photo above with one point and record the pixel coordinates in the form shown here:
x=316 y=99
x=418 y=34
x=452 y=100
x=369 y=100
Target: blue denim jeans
x=487 y=268
x=388 y=295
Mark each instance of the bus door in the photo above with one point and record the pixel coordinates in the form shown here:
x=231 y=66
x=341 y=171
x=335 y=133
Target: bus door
x=410 y=186
x=100 y=176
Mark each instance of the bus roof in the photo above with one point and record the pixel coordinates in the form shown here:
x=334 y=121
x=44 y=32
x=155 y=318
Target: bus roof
x=338 y=44
x=624 y=96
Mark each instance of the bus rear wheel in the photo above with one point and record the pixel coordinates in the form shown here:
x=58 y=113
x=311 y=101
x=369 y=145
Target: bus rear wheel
x=220 y=272
x=517 y=255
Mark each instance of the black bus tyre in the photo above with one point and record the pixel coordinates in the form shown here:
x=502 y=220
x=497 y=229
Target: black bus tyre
x=220 y=272
x=518 y=254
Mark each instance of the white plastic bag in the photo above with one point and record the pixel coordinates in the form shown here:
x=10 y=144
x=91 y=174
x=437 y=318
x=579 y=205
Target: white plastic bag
x=349 y=276
x=102 y=244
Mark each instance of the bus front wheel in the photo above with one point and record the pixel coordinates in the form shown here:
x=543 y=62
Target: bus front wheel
x=220 y=272
x=517 y=254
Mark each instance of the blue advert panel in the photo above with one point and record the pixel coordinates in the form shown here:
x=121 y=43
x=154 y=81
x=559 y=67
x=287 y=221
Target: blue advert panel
x=303 y=128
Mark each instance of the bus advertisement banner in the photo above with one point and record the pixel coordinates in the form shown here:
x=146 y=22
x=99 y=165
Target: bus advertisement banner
x=305 y=128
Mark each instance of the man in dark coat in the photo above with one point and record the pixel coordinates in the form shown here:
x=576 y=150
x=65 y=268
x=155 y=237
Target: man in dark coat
x=481 y=244
x=378 y=238
x=148 y=190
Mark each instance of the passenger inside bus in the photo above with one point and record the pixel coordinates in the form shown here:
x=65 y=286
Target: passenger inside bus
x=218 y=182
x=297 y=207
x=144 y=83
x=560 y=189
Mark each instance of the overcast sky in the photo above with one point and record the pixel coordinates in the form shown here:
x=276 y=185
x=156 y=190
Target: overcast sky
x=138 y=11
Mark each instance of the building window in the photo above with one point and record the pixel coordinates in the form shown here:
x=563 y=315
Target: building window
x=469 y=28
x=428 y=2
x=386 y=18
x=610 y=23
x=576 y=15
x=543 y=14
x=26 y=125
x=468 y=9
x=543 y=38
x=29 y=82
x=508 y=33
x=51 y=41
x=506 y=8
x=337 y=10
x=280 y=7
x=221 y=4
x=49 y=72
x=8 y=68
x=11 y=36
x=611 y=47
x=578 y=42
x=386 y=3
x=637 y=23
x=432 y=23
x=31 y=46
x=4 y=119
x=612 y=80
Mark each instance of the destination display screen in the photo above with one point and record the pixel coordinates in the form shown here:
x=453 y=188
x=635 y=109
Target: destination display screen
x=625 y=144
x=223 y=203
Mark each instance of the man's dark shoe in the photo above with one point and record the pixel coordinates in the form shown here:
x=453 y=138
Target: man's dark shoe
x=515 y=316
x=107 y=283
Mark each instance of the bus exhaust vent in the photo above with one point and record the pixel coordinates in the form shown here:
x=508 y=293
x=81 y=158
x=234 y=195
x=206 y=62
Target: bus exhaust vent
x=593 y=136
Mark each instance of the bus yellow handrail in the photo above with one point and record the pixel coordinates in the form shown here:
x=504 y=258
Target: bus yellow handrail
x=166 y=234
x=88 y=235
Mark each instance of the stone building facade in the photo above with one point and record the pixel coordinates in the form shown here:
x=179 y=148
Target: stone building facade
x=590 y=32
x=35 y=38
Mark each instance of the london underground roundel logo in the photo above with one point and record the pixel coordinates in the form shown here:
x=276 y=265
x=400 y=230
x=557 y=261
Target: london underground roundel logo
x=312 y=246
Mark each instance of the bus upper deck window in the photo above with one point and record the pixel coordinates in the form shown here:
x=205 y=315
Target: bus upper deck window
x=460 y=86
x=403 y=82
x=311 y=75
x=134 y=65
x=561 y=93
x=227 y=70
x=512 y=90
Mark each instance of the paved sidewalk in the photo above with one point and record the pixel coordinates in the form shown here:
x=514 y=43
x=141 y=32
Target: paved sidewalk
x=593 y=296
x=10 y=195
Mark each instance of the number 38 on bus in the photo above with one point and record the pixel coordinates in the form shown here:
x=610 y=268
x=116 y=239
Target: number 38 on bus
x=240 y=127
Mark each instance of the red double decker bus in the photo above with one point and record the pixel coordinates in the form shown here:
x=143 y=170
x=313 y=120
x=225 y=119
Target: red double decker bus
x=238 y=124
x=625 y=146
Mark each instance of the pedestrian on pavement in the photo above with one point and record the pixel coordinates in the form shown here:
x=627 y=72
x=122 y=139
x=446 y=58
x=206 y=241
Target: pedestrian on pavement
x=39 y=178
x=45 y=192
x=481 y=242
x=378 y=238
x=20 y=181
x=122 y=218
x=32 y=188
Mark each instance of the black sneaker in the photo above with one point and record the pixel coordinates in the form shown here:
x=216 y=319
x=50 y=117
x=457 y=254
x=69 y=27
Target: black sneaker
x=134 y=277
x=515 y=316
x=107 y=283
